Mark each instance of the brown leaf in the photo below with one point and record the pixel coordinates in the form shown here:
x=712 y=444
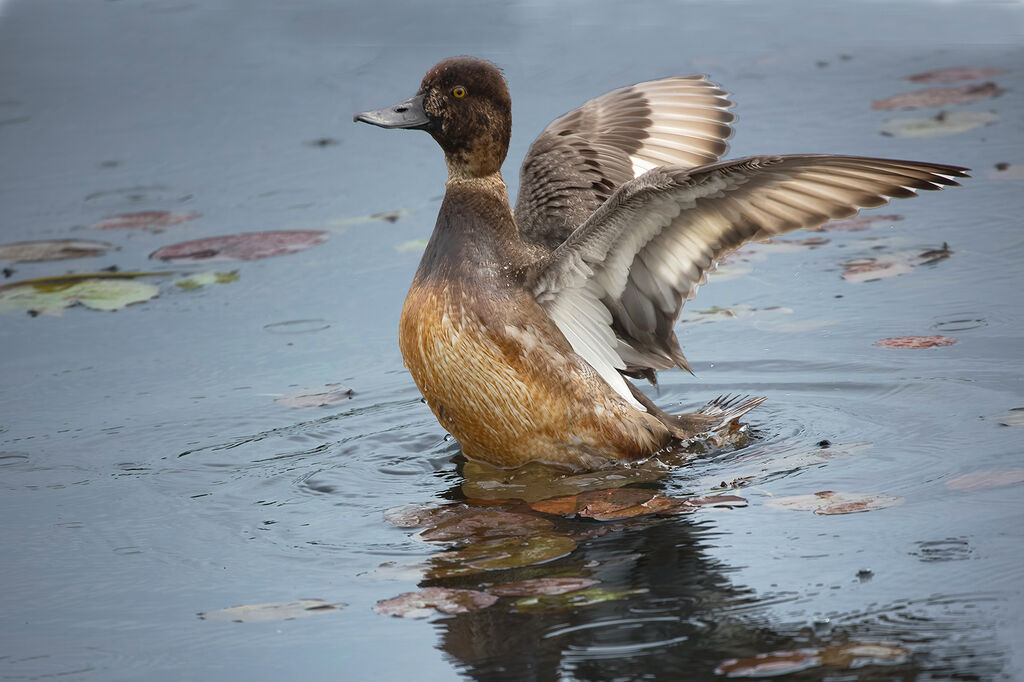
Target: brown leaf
x=144 y=220
x=916 y=342
x=52 y=249
x=771 y=664
x=537 y=586
x=422 y=603
x=983 y=480
x=869 y=272
x=956 y=73
x=245 y=246
x=484 y=524
x=940 y=97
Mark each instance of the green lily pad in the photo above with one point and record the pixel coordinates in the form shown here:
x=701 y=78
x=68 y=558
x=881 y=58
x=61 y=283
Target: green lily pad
x=202 y=279
x=548 y=603
x=262 y=613
x=499 y=554
x=51 y=296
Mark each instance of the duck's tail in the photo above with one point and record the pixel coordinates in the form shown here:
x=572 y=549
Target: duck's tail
x=717 y=414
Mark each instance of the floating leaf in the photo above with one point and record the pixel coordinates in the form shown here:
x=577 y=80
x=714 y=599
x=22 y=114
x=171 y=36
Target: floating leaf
x=940 y=97
x=915 y=342
x=203 y=279
x=848 y=655
x=52 y=249
x=1014 y=417
x=262 y=613
x=573 y=600
x=541 y=586
x=827 y=502
x=603 y=505
x=485 y=524
x=328 y=395
x=943 y=123
x=245 y=246
x=870 y=272
x=144 y=220
x=956 y=73
x=420 y=515
x=858 y=223
x=983 y=480
x=491 y=555
x=875 y=268
x=411 y=245
x=423 y=603
x=50 y=296
x=343 y=224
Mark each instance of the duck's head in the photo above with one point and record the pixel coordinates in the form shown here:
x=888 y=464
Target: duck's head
x=464 y=104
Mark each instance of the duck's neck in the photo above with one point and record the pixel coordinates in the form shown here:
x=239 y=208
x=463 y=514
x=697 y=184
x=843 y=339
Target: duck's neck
x=475 y=237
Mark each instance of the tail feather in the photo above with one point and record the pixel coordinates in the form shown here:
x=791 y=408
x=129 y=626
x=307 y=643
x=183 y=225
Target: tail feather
x=727 y=408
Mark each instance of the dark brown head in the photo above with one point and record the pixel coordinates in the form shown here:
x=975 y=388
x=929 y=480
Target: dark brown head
x=464 y=104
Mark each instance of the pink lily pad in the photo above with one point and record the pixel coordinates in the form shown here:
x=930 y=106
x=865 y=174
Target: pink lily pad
x=956 y=73
x=940 y=97
x=422 y=603
x=916 y=342
x=144 y=220
x=828 y=502
x=245 y=246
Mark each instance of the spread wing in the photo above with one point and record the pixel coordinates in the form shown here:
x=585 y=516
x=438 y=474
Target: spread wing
x=581 y=158
x=616 y=285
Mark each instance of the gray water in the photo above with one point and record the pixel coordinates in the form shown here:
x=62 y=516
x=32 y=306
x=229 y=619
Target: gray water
x=148 y=474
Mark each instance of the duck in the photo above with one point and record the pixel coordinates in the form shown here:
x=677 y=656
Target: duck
x=526 y=330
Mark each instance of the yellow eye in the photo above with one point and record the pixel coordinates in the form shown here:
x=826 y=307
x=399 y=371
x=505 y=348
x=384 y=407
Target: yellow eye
x=459 y=91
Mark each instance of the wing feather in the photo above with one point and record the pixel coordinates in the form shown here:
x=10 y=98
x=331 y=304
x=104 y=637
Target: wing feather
x=616 y=286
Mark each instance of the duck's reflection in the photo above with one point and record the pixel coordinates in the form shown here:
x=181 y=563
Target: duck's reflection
x=662 y=607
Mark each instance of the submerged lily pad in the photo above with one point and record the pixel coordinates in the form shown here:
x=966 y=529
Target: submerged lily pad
x=50 y=296
x=940 y=97
x=847 y=655
x=52 y=249
x=916 y=341
x=202 y=279
x=827 y=502
x=984 y=480
x=413 y=245
x=262 y=613
x=624 y=503
x=943 y=123
x=245 y=246
x=535 y=481
x=422 y=603
x=541 y=586
x=484 y=523
x=553 y=603
x=956 y=73
x=502 y=553
x=144 y=220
